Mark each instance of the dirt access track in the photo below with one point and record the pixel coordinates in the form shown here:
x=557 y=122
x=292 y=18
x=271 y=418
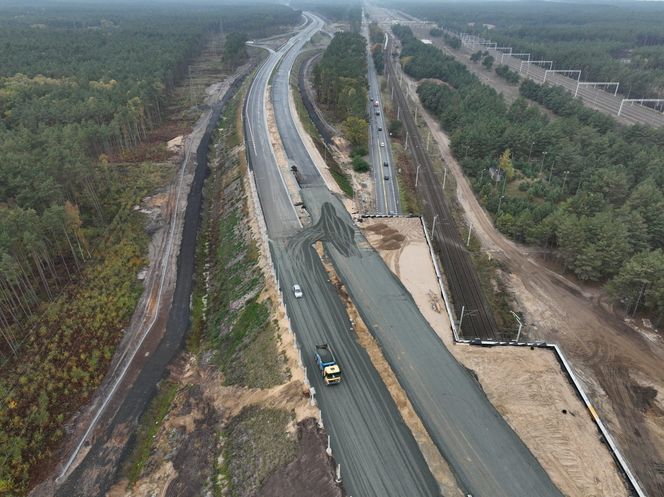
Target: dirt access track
x=155 y=332
x=526 y=386
x=620 y=365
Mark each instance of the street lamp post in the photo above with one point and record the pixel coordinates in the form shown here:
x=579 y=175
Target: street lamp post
x=444 y=178
x=542 y=165
x=551 y=171
x=417 y=174
x=531 y=150
x=433 y=226
x=500 y=202
x=565 y=173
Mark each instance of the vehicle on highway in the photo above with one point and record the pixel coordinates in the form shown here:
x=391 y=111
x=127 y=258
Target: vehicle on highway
x=382 y=144
x=327 y=364
x=377 y=113
x=297 y=291
x=386 y=164
x=380 y=128
x=376 y=103
x=386 y=177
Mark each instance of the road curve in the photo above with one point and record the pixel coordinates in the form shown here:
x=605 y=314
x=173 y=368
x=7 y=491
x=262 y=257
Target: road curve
x=487 y=457
x=376 y=450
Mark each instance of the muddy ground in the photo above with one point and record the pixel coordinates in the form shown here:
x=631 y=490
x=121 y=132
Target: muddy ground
x=187 y=448
x=526 y=386
x=309 y=473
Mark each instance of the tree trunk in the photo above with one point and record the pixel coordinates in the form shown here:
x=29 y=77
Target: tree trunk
x=42 y=276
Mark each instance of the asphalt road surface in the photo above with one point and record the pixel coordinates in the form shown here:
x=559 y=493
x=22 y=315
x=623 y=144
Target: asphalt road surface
x=487 y=457
x=281 y=217
x=377 y=452
x=380 y=150
x=295 y=149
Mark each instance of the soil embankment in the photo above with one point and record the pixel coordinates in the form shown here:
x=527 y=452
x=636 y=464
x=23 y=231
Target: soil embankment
x=99 y=464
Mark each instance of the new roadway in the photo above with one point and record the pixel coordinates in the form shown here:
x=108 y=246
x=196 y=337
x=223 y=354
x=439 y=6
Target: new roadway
x=377 y=452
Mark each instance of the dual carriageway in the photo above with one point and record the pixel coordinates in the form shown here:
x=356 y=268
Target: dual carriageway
x=376 y=450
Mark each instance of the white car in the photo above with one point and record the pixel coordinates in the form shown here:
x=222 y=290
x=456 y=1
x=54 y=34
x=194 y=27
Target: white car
x=297 y=291
x=382 y=144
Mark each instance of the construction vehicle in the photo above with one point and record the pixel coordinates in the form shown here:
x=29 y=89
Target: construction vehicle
x=327 y=364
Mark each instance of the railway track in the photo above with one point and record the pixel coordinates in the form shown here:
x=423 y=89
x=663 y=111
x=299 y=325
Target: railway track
x=467 y=295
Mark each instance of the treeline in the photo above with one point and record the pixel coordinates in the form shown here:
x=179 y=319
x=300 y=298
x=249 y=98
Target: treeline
x=235 y=51
x=77 y=87
x=595 y=194
x=70 y=97
x=436 y=32
x=618 y=42
x=340 y=78
x=512 y=77
x=377 y=38
x=450 y=41
x=561 y=101
x=426 y=61
x=376 y=34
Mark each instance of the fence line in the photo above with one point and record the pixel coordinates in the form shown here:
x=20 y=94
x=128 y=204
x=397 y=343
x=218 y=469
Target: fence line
x=621 y=462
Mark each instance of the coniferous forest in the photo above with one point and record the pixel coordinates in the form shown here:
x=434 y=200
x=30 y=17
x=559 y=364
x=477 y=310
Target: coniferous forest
x=621 y=41
x=579 y=183
x=340 y=79
x=81 y=90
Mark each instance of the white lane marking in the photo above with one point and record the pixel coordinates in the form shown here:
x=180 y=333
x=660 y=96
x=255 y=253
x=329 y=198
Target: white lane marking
x=251 y=133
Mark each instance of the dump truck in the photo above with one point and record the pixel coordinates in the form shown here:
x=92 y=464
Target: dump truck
x=327 y=364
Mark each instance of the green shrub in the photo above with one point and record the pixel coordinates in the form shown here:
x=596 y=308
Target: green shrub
x=360 y=165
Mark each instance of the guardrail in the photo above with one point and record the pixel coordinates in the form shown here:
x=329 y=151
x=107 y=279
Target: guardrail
x=264 y=243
